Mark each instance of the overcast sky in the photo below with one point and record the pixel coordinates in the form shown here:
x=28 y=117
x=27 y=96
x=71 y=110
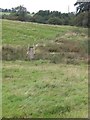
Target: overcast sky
x=36 y=5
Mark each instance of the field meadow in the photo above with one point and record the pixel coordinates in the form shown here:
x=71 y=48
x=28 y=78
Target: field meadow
x=27 y=33
x=45 y=87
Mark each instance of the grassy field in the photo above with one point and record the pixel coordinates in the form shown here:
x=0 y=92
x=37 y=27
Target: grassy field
x=42 y=88
x=69 y=43
x=24 y=33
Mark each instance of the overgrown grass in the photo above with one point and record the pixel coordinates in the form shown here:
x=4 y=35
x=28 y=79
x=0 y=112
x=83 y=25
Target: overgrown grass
x=58 y=51
x=41 y=89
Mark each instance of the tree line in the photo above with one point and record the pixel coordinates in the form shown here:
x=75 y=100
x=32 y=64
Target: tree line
x=42 y=16
x=81 y=18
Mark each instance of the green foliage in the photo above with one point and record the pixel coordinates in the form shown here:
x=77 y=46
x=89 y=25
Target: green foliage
x=82 y=19
x=21 y=12
x=43 y=16
x=18 y=13
x=55 y=21
x=53 y=17
x=82 y=6
x=83 y=13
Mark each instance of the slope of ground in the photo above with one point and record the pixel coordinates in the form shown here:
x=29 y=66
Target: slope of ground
x=43 y=88
x=56 y=43
x=24 y=33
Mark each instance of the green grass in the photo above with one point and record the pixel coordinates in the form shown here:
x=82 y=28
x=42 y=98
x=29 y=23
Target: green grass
x=40 y=89
x=24 y=33
x=43 y=88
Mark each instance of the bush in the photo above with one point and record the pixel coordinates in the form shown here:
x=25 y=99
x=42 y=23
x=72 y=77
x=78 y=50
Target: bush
x=55 y=21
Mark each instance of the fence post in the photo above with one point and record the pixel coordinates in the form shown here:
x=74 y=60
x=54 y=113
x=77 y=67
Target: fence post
x=31 y=53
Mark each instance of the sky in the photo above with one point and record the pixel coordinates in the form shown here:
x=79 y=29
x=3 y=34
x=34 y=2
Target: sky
x=35 y=5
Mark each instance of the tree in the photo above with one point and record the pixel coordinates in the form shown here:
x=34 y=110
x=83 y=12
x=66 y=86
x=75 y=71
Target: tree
x=82 y=6
x=83 y=13
x=38 y=19
x=82 y=19
x=13 y=10
x=55 y=21
x=21 y=12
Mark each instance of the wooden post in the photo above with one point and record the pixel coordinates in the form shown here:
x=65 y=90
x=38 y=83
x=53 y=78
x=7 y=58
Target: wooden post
x=31 y=53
